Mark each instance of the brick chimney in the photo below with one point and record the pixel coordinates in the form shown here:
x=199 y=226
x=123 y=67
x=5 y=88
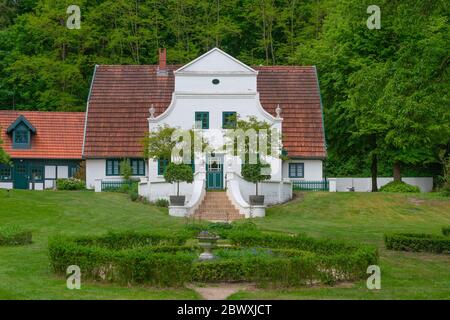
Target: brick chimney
x=162 y=67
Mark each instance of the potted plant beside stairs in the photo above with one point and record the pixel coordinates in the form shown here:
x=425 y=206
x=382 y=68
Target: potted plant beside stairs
x=255 y=173
x=178 y=173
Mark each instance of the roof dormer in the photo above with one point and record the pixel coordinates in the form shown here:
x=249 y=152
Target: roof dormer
x=21 y=130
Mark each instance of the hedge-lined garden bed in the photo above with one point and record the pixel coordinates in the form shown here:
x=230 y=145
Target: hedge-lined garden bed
x=14 y=236
x=417 y=242
x=166 y=260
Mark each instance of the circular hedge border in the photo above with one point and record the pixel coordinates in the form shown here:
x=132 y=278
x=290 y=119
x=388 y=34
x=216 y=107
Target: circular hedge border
x=164 y=259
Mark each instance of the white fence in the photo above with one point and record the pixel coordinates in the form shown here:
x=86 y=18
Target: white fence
x=425 y=184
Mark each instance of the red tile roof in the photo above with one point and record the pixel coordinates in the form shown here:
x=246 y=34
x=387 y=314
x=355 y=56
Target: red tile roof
x=121 y=96
x=59 y=135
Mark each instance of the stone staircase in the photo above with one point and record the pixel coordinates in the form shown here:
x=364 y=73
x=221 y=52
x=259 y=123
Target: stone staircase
x=217 y=207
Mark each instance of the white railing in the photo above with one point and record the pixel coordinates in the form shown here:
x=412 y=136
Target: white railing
x=198 y=193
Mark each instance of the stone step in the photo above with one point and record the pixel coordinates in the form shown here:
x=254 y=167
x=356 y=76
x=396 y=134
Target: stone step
x=217 y=207
x=218 y=217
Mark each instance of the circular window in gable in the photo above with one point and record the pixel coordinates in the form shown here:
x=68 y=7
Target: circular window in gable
x=216 y=81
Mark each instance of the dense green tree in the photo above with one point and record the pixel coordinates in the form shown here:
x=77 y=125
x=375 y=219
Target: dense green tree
x=385 y=90
x=4 y=157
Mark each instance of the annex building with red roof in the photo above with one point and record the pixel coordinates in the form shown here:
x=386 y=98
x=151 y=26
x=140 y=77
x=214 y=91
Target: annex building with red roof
x=43 y=147
x=208 y=94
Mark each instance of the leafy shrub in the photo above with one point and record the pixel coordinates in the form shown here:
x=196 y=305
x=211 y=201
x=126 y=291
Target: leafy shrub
x=417 y=242
x=13 y=235
x=445 y=190
x=134 y=195
x=178 y=173
x=70 y=184
x=251 y=172
x=399 y=186
x=446 y=231
x=126 y=171
x=164 y=203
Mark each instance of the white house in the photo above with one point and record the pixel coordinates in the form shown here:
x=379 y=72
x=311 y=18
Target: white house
x=126 y=102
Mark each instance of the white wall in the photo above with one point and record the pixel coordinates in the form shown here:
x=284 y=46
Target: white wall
x=6 y=185
x=365 y=184
x=181 y=113
x=228 y=83
x=313 y=170
x=96 y=169
x=273 y=191
x=37 y=186
x=163 y=190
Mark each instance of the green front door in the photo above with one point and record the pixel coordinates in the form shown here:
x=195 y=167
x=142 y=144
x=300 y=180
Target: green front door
x=214 y=173
x=20 y=175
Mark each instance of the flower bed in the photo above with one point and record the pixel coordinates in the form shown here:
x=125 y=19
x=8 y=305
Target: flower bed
x=165 y=260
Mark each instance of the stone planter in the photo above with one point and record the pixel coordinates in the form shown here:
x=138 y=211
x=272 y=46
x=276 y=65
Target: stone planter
x=177 y=200
x=256 y=200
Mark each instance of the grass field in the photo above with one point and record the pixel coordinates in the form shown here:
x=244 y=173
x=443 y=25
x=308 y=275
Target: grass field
x=363 y=217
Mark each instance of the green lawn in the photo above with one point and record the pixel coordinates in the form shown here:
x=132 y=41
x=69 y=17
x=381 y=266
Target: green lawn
x=364 y=217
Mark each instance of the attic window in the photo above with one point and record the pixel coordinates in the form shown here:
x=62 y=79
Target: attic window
x=216 y=81
x=21 y=131
x=21 y=136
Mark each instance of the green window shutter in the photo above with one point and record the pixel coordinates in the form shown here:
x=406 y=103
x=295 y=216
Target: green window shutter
x=203 y=117
x=229 y=120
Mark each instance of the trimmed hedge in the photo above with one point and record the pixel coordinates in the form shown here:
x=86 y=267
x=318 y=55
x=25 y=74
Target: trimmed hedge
x=299 y=241
x=14 y=235
x=163 y=259
x=129 y=266
x=446 y=231
x=417 y=242
x=132 y=239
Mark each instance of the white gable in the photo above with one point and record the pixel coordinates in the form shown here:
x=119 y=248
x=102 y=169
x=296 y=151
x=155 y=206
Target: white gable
x=216 y=61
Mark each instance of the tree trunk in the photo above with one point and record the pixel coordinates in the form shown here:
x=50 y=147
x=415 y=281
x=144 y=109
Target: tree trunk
x=397 y=172
x=178 y=188
x=374 y=172
x=256 y=188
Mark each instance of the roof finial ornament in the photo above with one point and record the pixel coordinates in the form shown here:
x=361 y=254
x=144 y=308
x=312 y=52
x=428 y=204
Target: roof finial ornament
x=152 y=111
x=278 y=111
